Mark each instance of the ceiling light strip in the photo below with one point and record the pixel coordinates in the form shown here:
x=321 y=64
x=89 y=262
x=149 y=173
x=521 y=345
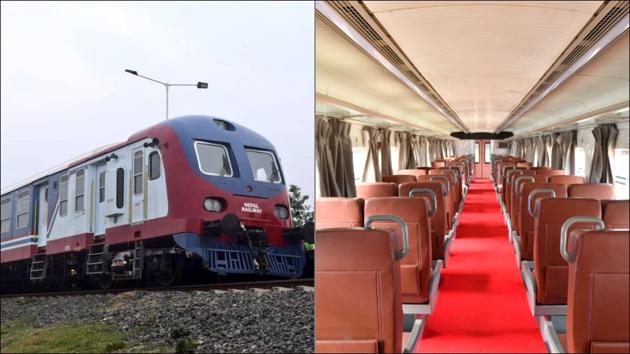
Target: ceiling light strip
x=333 y=16
x=613 y=34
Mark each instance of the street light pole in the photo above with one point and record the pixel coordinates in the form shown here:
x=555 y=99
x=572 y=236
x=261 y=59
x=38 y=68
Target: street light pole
x=199 y=85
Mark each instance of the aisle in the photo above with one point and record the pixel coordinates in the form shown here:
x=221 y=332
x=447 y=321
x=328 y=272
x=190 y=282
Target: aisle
x=482 y=305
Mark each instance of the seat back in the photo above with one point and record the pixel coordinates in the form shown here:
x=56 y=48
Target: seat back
x=509 y=189
x=526 y=177
x=525 y=165
x=456 y=183
x=562 y=179
x=599 y=191
x=615 y=214
x=448 y=197
x=549 y=172
x=412 y=172
x=398 y=179
x=377 y=189
x=597 y=304
x=438 y=163
x=525 y=220
x=540 y=168
x=357 y=292
x=550 y=269
x=438 y=220
x=415 y=267
x=336 y=212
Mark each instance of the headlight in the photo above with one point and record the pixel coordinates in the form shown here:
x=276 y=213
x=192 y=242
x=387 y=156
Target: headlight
x=211 y=204
x=281 y=212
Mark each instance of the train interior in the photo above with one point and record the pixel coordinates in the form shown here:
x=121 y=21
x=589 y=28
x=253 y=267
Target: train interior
x=472 y=176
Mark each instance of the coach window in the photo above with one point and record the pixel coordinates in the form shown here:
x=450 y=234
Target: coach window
x=137 y=172
x=120 y=188
x=23 y=208
x=5 y=215
x=213 y=159
x=154 y=165
x=63 y=196
x=101 y=187
x=79 y=191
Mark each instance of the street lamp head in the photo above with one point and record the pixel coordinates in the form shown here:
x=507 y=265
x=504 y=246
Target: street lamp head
x=131 y=71
x=202 y=85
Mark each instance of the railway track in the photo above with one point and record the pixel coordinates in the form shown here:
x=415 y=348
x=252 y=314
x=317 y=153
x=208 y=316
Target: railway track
x=264 y=284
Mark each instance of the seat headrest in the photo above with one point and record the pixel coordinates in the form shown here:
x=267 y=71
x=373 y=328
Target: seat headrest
x=376 y=189
x=563 y=179
x=599 y=191
x=409 y=209
x=400 y=178
x=343 y=249
x=339 y=211
x=557 y=210
x=615 y=214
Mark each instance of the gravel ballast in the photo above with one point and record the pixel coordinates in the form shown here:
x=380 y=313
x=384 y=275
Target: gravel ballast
x=200 y=321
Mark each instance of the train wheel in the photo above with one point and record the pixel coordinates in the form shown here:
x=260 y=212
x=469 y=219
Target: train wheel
x=173 y=275
x=103 y=282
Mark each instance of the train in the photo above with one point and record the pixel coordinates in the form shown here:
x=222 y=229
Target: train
x=196 y=192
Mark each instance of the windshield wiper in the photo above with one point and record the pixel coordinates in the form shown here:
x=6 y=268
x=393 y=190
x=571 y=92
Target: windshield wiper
x=225 y=169
x=275 y=174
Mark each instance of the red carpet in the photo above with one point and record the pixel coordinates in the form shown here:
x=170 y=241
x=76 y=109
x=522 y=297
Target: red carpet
x=482 y=305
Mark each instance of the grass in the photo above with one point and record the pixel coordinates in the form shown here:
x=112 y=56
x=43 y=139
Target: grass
x=24 y=336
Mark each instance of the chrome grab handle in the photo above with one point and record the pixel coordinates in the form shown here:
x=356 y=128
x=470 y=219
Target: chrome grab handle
x=533 y=193
x=403 y=225
x=448 y=183
x=522 y=178
x=564 y=233
x=429 y=191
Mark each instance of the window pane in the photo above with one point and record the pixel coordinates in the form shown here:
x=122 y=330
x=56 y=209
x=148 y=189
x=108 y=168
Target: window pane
x=80 y=183
x=154 y=165
x=63 y=208
x=137 y=162
x=22 y=220
x=137 y=184
x=476 y=152
x=5 y=211
x=101 y=180
x=78 y=203
x=101 y=187
x=63 y=189
x=5 y=226
x=486 y=153
x=264 y=167
x=23 y=201
x=213 y=159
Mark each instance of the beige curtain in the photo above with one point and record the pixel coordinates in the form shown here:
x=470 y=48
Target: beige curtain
x=386 y=152
x=563 y=153
x=406 y=156
x=539 y=148
x=601 y=167
x=334 y=158
x=548 y=144
x=370 y=137
x=422 y=151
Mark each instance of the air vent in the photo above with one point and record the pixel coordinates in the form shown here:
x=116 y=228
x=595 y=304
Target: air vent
x=360 y=17
x=605 y=18
x=223 y=124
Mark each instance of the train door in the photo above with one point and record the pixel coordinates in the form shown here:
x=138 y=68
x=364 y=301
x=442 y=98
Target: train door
x=137 y=186
x=482 y=158
x=100 y=194
x=42 y=215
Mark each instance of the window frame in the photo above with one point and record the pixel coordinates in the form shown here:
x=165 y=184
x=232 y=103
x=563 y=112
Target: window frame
x=275 y=161
x=227 y=154
x=159 y=165
x=61 y=198
x=8 y=217
x=101 y=186
x=76 y=191
x=17 y=209
x=135 y=174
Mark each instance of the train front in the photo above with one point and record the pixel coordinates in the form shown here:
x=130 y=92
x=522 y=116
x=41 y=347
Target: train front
x=238 y=187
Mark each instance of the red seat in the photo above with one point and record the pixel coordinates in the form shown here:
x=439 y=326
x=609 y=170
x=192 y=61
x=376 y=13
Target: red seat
x=599 y=191
x=338 y=212
x=377 y=189
x=566 y=179
x=357 y=292
x=438 y=220
x=526 y=220
x=398 y=179
x=414 y=172
x=515 y=199
x=549 y=172
x=509 y=188
x=415 y=269
x=598 y=293
x=615 y=214
x=550 y=269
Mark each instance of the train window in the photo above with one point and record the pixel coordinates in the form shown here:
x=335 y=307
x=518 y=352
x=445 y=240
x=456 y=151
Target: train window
x=5 y=215
x=23 y=202
x=154 y=165
x=101 y=187
x=213 y=159
x=63 y=196
x=120 y=188
x=476 y=152
x=79 y=191
x=486 y=153
x=137 y=172
x=620 y=172
x=264 y=166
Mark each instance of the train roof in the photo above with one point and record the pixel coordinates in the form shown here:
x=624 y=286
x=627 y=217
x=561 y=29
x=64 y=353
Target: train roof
x=188 y=126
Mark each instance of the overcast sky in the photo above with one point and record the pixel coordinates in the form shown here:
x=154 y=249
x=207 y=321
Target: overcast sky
x=64 y=90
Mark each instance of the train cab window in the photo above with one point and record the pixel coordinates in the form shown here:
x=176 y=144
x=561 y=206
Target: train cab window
x=63 y=196
x=5 y=215
x=137 y=172
x=23 y=202
x=79 y=191
x=101 y=187
x=213 y=159
x=264 y=166
x=120 y=188
x=154 y=165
